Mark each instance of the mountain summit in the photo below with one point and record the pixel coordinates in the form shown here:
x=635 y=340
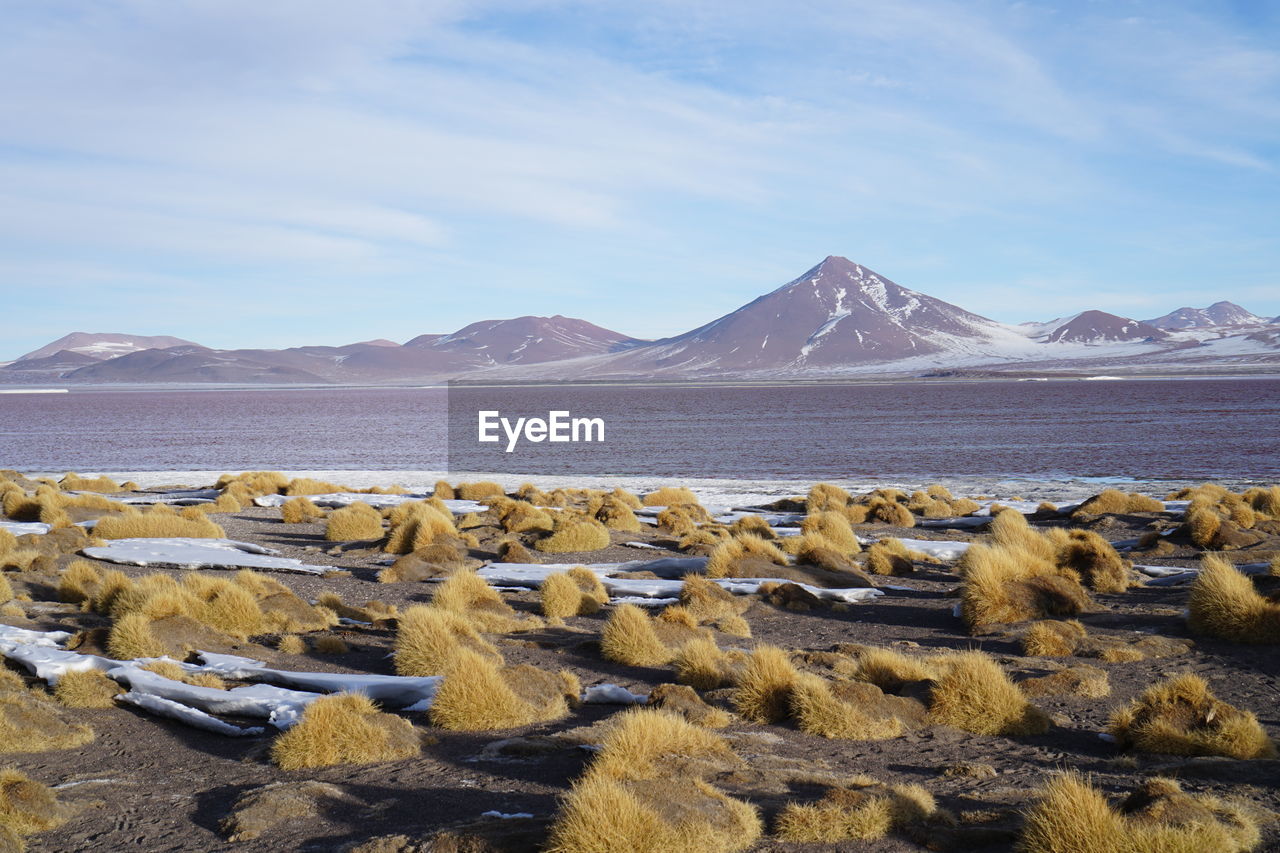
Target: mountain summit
x=1218 y=314
x=838 y=313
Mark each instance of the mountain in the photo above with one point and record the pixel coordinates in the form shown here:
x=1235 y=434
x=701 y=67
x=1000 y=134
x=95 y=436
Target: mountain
x=103 y=345
x=837 y=314
x=528 y=340
x=1218 y=314
x=1095 y=327
x=189 y=363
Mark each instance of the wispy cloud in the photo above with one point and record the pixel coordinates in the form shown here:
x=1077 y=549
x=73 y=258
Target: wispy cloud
x=475 y=159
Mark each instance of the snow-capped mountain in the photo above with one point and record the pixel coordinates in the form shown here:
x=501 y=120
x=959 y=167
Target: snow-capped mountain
x=1218 y=314
x=103 y=345
x=1093 y=327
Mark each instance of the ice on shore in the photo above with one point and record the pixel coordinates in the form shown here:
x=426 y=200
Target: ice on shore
x=938 y=549
x=11 y=636
x=199 y=554
x=22 y=528
x=612 y=694
x=279 y=706
x=334 y=500
x=193 y=717
x=395 y=690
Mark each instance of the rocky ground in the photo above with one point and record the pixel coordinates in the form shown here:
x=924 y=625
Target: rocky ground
x=150 y=784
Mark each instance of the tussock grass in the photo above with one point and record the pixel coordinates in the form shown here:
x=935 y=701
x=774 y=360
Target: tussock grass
x=479 y=695
x=974 y=694
x=629 y=637
x=710 y=603
x=729 y=558
x=618 y=514
x=416 y=525
x=73 y=482
x=86 y=689
x=1004 y=584
x=1072 y=816
x=1092 y=558
x=890 y=557
x=327 y=644
x=26 y=808
x=890 y=670
x=853 y=813
x=291 y=644
x=131 y=637
x=1181 y=716
x=29 y=723
x=819 y=711
x=1116 y=502
x=8 y=542
x=562 y=596
x=262 y=809
x=834 y=528
x=308 y=486
x=1053 y=638
x=444 y=491
x=1224 y=603
x=1083 y=680
x=470 y=596
x=763 y=693
x=478 y=491
x=702 y=664
x=513 y=551
x=156 y=524
x=521 y=517
x=643 y=793
x=574 y=534
x=6 y=589
x=429 y=638
x=357 y=521
x=300 y=510
x=344 y=728
x=826 y=496
x=670 y=496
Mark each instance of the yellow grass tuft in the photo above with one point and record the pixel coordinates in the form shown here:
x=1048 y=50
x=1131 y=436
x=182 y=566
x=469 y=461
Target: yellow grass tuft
x=669 y=496
x=86 y=689
x=1083 y=680
x=855 y=814
x=478 y=491
x=344 y=728
x=429 y=638
x=826 y=496
x=299 y=510
x=618 y=514
x=156 y=524
x=890 y=670
x=478 y=695
x=1005 y=584
x=416 y=525
x=26 y=807
x=629 y=637
x=358 y=521
x=131 y=637
x=1072 y=816
x=1181 y=716
x=73 y=482
x=1115 y=502
x=1224 y=604
x=1092 y=558
x=833 y=527
x=572 y=535
x=291 y=644
x=763 y=693
x=327 y=644
x=818 y=711
x=470 y=596
x=1053 y=638
x=562 y=596
x=262 y=809
x=29 y=723
x=700 y=663
x=725 y=559
x=513 y=551
x=976 y=695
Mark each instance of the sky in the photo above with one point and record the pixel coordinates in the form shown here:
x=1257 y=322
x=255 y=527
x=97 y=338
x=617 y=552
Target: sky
x=284 y=172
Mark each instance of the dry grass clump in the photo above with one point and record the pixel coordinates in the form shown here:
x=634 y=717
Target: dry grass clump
x=1181 y=716
x=291 y=644
x=826 y=496
x=1224 y=603
x=513 y=551
x=357 y=521
x=644 y=793
x=890 y=670
x=429 y=638
x=1053 y=638
x=344 y=728
x=974 y=694
x=1217 y=518
x=300 y=510
x=1072 y=816
x=1265 y=500
x=753 y=525
x=255 y=483
x=418 y=524
x=29 y=723
x=573 y=534
x=763 y=693
x=26 y=807
x=1092 y=558
x=617 y=513
x=1004 y=584
x=86 y=689
x=1115 y=502
x=856 y=813
x=308 y=486
x=73 y=482
x=891 y=557
x=711 y=604
x=160 y=522
x=669 y=496
x=834 y=528
x=577 y=592
x=850 y=710
x=630 y=637
x=470 y=596
x=700 y=663
x=1083 y=680
x=6 y=589
x=131 y=637
x=479 y=491
x=327 y=644
x=746 y=556
x=261 y=809
x=170 y=670
x=479 y=694
x=521 y=517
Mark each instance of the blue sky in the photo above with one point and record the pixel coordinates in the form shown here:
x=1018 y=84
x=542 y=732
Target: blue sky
x=315 y=171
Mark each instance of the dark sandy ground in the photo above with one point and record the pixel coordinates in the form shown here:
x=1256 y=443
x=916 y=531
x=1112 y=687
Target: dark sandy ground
x=156 y=785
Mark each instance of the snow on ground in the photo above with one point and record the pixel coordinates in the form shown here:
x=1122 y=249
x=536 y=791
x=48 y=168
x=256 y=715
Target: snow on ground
x=193 y=717
x=22 y=528
x=612 y=694
x=395 y=690
x=938 y=549
x=340 y=499
x=199 y=554
x=178 y=497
